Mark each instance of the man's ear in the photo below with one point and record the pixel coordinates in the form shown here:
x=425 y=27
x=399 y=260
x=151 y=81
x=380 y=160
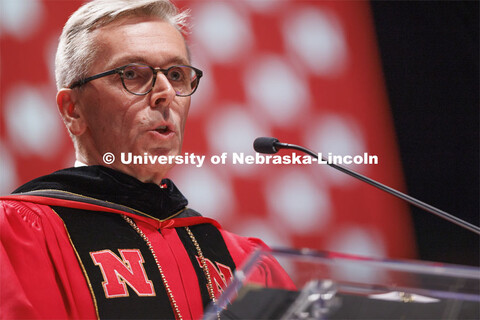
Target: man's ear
x=71 y=112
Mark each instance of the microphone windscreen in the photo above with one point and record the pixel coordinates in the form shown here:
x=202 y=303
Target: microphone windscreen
x=265 y=145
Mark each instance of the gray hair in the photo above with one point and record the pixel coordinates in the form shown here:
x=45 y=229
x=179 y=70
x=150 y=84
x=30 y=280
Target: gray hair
x=76 y=50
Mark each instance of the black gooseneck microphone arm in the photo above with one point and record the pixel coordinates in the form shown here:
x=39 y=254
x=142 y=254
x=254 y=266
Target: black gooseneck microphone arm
x=270 y=145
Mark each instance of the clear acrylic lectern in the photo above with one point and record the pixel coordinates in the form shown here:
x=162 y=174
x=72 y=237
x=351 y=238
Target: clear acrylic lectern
x=340 y=286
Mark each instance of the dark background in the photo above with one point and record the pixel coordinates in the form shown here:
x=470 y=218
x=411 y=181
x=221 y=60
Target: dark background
x=430 y=56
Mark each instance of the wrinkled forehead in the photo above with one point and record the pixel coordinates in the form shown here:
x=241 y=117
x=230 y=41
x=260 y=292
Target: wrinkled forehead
x=139 y=39
x=152 y=38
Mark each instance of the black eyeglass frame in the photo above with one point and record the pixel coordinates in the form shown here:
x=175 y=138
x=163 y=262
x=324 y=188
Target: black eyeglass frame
x=120 y=71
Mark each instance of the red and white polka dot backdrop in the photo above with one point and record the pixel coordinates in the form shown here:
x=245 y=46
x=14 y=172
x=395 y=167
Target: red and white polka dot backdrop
x=306 y=72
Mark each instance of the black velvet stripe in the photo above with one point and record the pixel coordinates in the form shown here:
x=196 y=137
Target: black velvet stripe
x=96 y=231
x=190 y=248
x=213 y=248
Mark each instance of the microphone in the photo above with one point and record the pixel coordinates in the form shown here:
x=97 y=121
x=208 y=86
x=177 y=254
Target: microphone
x=269 y=145
x=265 y=145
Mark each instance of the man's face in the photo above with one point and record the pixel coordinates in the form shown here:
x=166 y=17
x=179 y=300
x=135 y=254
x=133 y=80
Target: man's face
x=118 y=121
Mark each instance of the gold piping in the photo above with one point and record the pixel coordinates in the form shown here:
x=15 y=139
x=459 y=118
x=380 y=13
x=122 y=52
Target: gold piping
x=135 y=210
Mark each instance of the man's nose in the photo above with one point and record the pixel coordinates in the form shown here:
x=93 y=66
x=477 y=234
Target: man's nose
x=163 y=92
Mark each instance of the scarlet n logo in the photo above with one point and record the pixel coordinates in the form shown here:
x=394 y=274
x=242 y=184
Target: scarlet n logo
x=117 y=273
x=220 y=275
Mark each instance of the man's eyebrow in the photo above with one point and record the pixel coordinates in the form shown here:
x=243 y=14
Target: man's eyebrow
x=177 y=60
x=132 y=59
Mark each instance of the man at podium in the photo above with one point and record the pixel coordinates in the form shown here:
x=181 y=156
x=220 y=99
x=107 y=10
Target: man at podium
x=107 y=238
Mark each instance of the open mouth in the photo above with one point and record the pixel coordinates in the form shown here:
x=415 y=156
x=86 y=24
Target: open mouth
x=162 y=130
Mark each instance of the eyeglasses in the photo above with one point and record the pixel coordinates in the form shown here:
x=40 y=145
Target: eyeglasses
x=139 y=79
